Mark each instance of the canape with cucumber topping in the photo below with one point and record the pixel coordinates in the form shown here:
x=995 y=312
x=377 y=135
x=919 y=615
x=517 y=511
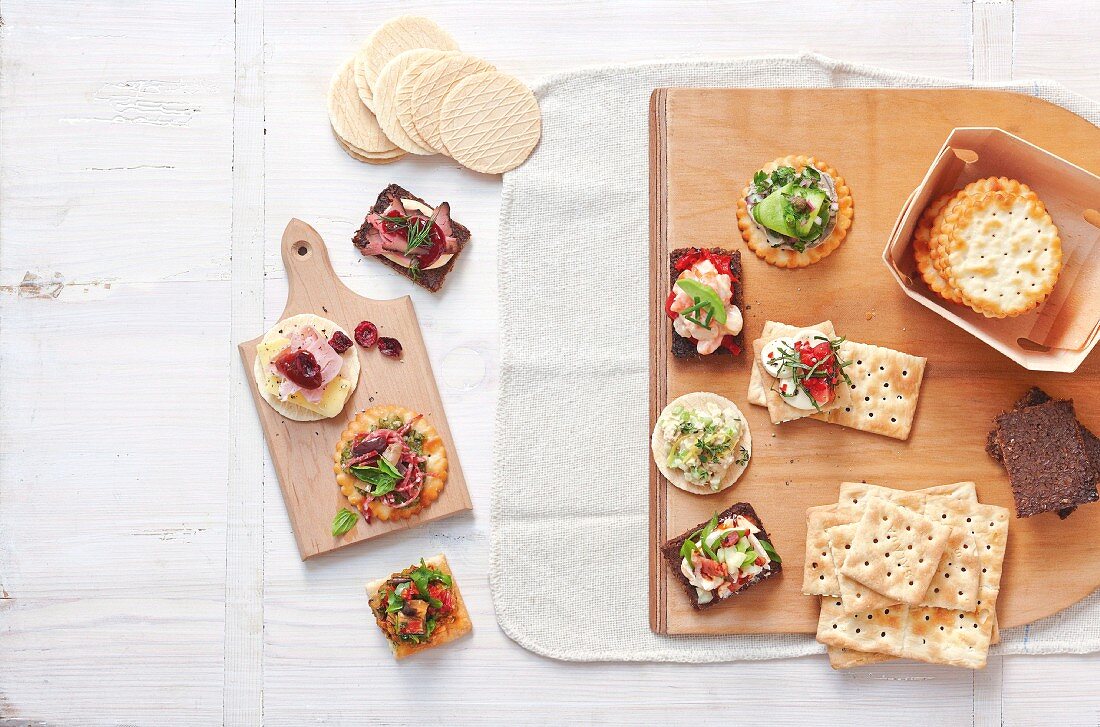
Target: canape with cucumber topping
x=794 y=211
x=723 y=556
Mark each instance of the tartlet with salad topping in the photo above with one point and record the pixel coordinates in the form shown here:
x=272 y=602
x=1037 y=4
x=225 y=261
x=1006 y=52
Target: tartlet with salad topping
x=721 y=558
x=420 y=607
x=390 y=463
x=306 y=368
x=795 y=211
x=802 y=374
x=705 y=302
x=701 y=443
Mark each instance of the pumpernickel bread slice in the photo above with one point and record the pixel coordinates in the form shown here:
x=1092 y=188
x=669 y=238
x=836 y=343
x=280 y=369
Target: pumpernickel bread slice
x=684 y=347
x=1033 y=397
x=431 y=279
x=1043 y=449
x=671 y=552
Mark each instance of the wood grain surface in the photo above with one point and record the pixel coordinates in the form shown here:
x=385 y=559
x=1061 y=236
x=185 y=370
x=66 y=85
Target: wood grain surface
x=303 y=451
x=706 y=145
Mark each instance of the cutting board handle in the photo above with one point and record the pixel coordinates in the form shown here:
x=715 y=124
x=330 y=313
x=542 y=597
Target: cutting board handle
x=305 y=258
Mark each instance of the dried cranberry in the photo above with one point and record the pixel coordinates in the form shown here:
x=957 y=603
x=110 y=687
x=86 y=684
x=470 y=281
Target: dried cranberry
x=389 y=347
x=366 y=334
x=300 y=367
x=339 y=342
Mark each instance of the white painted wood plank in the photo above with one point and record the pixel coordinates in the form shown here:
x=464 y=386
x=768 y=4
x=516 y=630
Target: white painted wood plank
x=244 y=562
x=992 y=40
x=1058 y=40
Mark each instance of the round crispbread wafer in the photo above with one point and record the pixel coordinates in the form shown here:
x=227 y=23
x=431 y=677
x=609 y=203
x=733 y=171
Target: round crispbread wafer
x=660 y=447
x=360 y=155
x=385 y=89
x=1003 y=253
x=429 y=89
x=391 y=40
x=432 y=449
x=757 y=240
x=349 y=371
x=351 y=120
x=978 y=187
x=921 y=235
x=404 y=98
x=490 y=122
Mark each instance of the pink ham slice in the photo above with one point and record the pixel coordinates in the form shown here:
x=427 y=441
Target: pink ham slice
x=307 y=339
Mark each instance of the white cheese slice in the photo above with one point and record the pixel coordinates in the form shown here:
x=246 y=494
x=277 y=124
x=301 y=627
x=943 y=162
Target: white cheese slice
x=404 y=261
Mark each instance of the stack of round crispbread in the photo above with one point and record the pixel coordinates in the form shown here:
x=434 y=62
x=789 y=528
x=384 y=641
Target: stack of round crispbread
x=991 y=246
x=409 y=90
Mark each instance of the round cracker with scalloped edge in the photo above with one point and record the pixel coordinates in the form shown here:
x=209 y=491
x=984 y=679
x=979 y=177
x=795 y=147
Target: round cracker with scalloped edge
x=432 y=450
x=391 y=39
x=1003 y=253
x=351 y=120
x=349 y=371
x=941 y=224
x=780 y=257
x=490 y=122
x=660 y=447
x=385 y=89
x=921 y=236
x=430 y=88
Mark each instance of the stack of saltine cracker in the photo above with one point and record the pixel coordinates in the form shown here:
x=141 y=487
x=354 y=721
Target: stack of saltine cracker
x=409 y=90
x=909 y=574
x=883 y=394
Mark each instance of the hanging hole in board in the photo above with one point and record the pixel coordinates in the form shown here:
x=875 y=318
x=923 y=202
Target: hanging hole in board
x=302 y=248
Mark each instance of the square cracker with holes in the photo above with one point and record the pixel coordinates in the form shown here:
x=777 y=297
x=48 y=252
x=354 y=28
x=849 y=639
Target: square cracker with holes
x=819 y=572
x=852 y=494
x=855 y=597
x=884 y=390
x=895 y=551
x=778 y=408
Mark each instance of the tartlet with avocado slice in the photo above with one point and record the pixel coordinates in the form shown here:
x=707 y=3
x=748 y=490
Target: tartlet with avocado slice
x=795 y=211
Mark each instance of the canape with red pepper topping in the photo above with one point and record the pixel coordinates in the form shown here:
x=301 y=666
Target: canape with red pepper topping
x=420 y=607
x=705 y=301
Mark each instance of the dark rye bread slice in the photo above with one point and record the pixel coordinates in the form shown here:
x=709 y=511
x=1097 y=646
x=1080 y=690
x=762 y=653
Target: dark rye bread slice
x=1043 y=449
x=671 y=551
x=683 y=347
x=1033 y=397
x=430 y=279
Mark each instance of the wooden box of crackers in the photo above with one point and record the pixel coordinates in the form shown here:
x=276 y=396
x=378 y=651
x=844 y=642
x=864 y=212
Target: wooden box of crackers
x=1049 y=250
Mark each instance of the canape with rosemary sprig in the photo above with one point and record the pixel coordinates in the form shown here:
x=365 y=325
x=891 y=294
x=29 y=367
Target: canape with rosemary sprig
x=723 y=557
x=803 y=374
x=419 y=241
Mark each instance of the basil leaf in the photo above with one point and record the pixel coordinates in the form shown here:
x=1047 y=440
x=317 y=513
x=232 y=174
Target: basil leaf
x=704 y=294
x=385 y=466
x=344 y=521
x=770 y=551
x=383 y=489
x=372 y=475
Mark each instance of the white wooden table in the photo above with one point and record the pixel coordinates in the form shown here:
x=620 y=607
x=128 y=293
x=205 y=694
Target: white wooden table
x=151 y=154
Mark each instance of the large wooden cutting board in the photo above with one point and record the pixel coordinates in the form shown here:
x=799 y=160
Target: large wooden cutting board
x=303 y=451
x=705 y=145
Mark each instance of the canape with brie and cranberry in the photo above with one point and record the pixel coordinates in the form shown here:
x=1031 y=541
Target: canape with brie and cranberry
x=306 y=368
x=705 y=301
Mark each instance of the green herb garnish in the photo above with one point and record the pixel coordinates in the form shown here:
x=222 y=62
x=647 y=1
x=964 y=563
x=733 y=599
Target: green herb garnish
x=383 y=478
x=344 y=521
x=769 y=550
x=706 y=301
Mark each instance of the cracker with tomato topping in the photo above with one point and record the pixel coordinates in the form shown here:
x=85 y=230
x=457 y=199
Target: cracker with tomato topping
x=778 y=407
x=757 y=239
x=441 y=622
x=421 y=437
